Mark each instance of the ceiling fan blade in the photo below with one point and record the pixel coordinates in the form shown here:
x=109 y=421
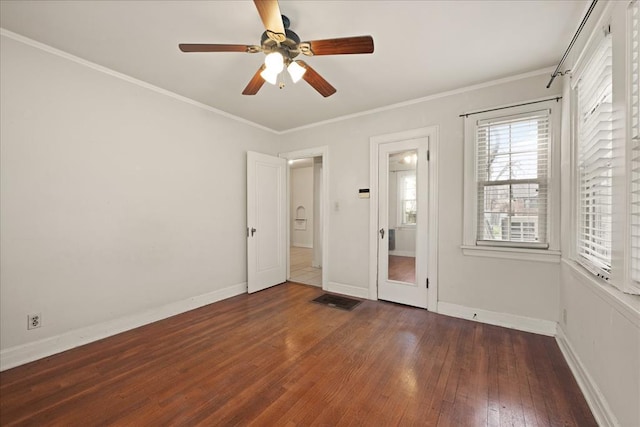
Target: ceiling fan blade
x=269 y=12
x=342 y=46
x=256 y=83
x=316 y=80
x=217 y=48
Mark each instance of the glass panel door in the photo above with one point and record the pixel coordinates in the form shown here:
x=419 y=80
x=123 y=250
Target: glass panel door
x=403 y=213
x=402 y=221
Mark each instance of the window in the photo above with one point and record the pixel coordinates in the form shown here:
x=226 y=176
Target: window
x=511 y=182
x=634 y=138
x=593 y=92
x=407 y=204
x=512 y=179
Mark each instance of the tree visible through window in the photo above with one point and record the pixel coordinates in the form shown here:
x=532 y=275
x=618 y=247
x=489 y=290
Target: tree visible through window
x=512 y=163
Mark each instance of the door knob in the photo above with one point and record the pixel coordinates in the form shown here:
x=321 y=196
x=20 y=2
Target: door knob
x=253 y=230
x=382 y=233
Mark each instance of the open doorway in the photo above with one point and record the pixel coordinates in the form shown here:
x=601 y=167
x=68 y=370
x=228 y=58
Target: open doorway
x=306 y=220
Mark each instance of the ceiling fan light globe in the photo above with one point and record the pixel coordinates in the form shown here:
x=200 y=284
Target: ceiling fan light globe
x=270 y=76
x=274 y=61
x=296 y=71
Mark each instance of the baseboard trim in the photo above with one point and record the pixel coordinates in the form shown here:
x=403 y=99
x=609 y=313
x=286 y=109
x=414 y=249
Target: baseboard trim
x=353 y=291
x=521 y=323
x=19 y=355
x=596 y=401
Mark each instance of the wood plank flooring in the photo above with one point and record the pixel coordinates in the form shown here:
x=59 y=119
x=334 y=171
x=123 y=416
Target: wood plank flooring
x=276 y=359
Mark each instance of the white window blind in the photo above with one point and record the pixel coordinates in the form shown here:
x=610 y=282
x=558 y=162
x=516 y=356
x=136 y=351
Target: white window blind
x=594 y=122
x=512 y=155
x=634 y=127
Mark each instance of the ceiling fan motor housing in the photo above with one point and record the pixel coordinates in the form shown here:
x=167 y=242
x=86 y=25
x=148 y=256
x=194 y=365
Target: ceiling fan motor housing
x=288 y=47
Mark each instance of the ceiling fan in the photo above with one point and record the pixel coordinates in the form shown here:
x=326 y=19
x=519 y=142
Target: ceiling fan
x=281 y=46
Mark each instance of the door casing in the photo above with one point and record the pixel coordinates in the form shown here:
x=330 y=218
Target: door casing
x=301 y=154
x=432 y=134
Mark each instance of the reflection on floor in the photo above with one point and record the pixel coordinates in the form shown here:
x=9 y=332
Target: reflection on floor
x=301 y=270
x=402 y=268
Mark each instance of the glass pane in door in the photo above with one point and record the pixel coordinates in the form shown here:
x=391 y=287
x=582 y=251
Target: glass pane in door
x=403 y=212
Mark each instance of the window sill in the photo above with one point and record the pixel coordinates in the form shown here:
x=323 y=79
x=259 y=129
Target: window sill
x=539 y=255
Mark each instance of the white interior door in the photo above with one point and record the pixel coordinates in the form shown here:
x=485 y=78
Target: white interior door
x=403 y=221
x=266 y=221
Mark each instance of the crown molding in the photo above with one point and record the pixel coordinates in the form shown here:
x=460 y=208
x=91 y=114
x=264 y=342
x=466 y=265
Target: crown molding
x=49 y=49
x=490 y=83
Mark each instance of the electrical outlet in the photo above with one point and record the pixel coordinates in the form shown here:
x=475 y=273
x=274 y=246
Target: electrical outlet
x=34 y=321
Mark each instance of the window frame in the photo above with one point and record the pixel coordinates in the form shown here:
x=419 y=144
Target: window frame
x=549 y=252
x=631 y=282
x=582 y=68
x=614 y=22
x=400 y=197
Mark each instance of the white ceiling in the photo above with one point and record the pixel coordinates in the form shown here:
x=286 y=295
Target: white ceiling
x=421 y=47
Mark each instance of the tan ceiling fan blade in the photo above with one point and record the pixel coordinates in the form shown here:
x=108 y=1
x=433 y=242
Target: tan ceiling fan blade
x=269 y=12
x=218 y=48
x=316 y=80
x=341 y=46
x=255 y=84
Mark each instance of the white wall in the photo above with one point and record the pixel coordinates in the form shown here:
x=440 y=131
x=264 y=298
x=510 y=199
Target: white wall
x=523 y=288
x=301 y=184
x=601 y=333
x=601 y=337
x=116 y=199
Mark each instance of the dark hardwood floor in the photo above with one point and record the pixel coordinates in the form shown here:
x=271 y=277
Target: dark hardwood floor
x=276 y=359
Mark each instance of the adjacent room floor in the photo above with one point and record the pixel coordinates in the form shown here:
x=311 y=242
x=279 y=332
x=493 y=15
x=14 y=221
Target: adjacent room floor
x=274 y=358
x=301 y=269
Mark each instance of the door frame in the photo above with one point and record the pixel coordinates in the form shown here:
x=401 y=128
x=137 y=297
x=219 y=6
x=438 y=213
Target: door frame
x=431 y=133
x=323 y=152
